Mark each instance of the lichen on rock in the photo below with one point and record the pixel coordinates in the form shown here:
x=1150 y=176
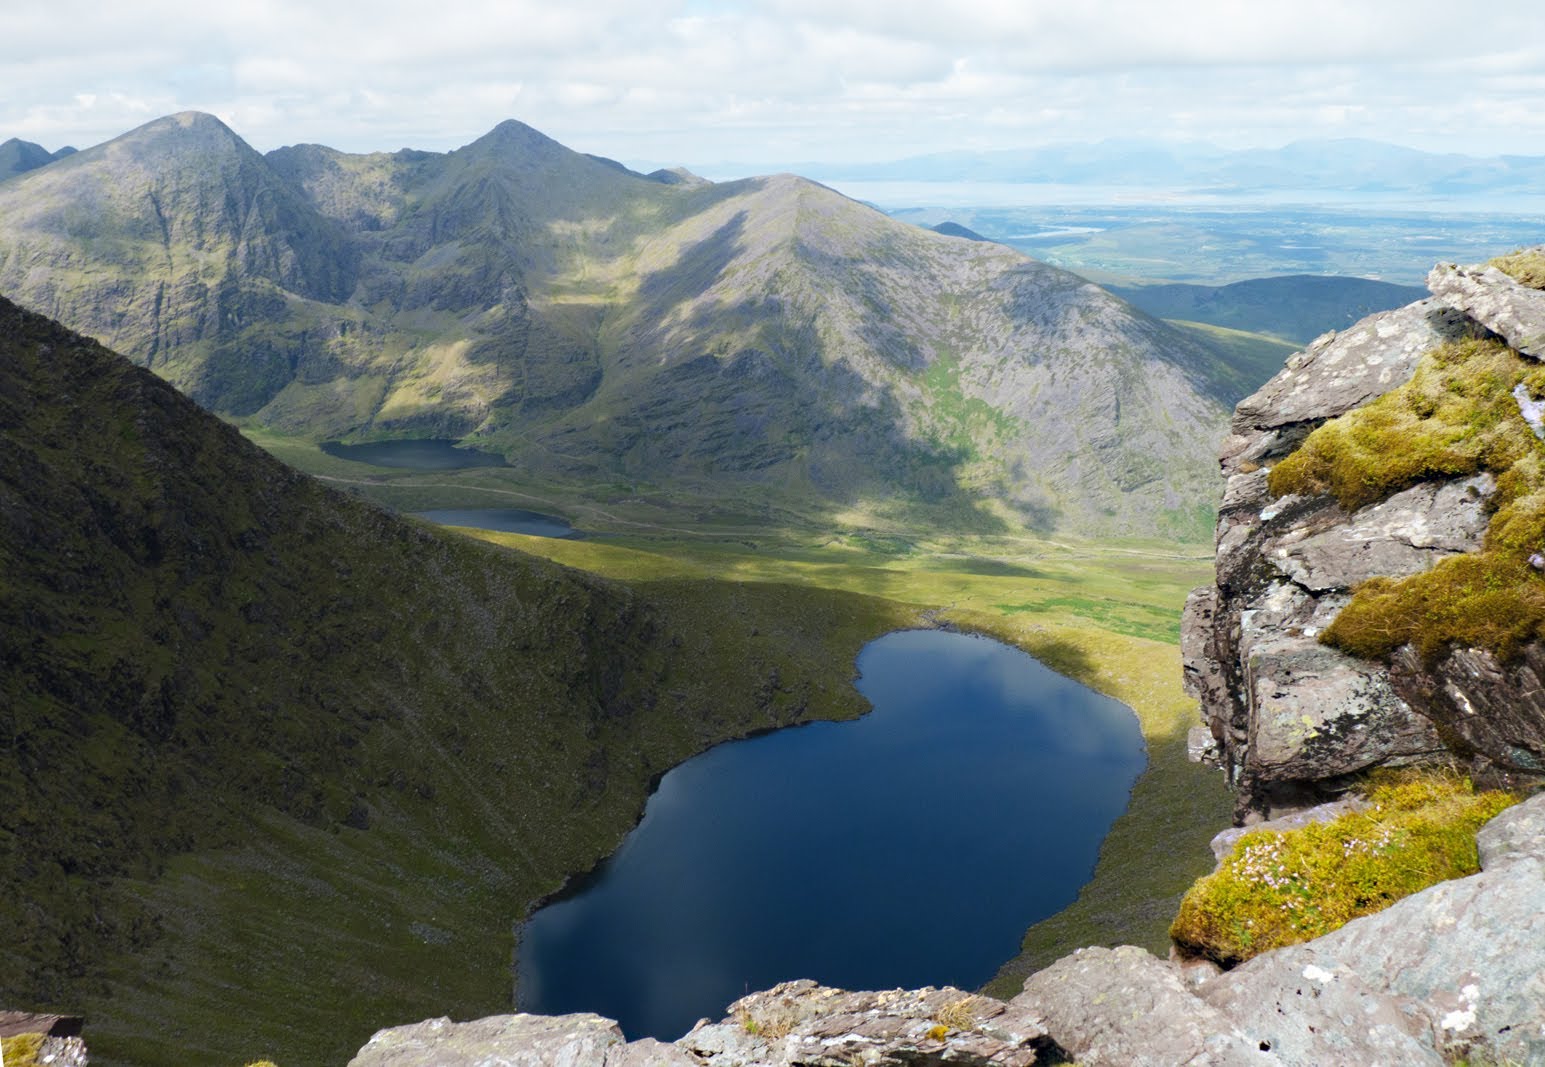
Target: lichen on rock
x=1374 y=587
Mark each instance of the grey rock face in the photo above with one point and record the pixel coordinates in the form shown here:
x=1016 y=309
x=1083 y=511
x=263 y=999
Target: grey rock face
x=1291 y=716
x=1518 y=833
x=1317 y=1016
x=1342 y=371
x=802 y=1023
x=1124 y=1006
x=1514 y=312
x=1405 y=534
x=1285 y=710
x=1492 y=714
x=1459 y=967
x=497 y=1041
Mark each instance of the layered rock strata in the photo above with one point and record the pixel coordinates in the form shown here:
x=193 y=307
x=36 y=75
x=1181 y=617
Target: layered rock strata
x=1454 y=972
x=1286 y=716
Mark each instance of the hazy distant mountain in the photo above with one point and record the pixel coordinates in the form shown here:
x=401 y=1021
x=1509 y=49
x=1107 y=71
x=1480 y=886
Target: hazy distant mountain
x=955 y=229
x=596 y=325
x=18 y=157
x=1296 y=307
x=1347 y=165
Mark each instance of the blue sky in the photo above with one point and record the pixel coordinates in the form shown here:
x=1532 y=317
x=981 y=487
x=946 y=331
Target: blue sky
x=783 y=81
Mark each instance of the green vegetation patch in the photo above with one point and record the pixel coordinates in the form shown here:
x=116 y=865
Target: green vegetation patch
x=1456 y=416
x=1134 y=620
x=21 y=1050
x=1282 y=888
x=1526 y=266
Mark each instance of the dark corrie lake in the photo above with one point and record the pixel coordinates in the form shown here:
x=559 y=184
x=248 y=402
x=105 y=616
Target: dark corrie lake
x=506 y=520
x=418 y=455
x=910 y=847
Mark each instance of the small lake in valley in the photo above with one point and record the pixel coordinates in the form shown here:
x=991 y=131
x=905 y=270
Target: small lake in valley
x=418 y=455
x=505 y=520
x=910 y=847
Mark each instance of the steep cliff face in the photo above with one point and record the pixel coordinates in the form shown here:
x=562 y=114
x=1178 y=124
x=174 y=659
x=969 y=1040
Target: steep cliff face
x=1375 y=602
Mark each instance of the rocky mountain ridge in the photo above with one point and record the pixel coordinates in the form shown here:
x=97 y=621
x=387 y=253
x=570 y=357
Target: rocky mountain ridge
x=595 y=325
x=1289 y=715
x=1451 y=973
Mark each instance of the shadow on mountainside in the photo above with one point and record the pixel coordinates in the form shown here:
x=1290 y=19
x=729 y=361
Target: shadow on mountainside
x=747 y=387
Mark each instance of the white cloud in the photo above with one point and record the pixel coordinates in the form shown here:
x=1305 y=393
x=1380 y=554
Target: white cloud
x=781 y=80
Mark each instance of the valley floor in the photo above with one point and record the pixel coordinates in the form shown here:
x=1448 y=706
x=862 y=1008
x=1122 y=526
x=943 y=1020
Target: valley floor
x=1106 y=614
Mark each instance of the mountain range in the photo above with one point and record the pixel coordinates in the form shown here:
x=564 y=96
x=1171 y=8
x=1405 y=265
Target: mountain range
x=598 y=326
x=1340 y=166
x=18 y=156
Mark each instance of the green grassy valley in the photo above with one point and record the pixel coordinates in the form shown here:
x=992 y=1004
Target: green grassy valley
x=262 y=735
x=1105 y=613
x=287 y=768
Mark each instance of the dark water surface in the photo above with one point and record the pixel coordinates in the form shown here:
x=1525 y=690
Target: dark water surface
x=506 y=520
x=420 y=455
x=910 y=847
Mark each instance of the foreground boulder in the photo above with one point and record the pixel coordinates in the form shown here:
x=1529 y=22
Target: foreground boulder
x=1287 y=717
x=1454 y=972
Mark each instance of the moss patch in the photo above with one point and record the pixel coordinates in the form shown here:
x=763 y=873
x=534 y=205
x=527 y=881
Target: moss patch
x=1282 y=888
x=21 y=1050
x=1526 y=266
x=1456 y=416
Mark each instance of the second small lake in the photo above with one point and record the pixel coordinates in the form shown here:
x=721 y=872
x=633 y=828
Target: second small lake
x=418 y=455
x=910 y=847
x=505 y=520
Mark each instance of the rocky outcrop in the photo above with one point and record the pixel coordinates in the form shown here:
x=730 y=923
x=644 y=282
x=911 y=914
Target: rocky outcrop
x=1514 y=312
x=1286 y=716
x=1454 y=972
x=796 y=1023
x=48 y=1039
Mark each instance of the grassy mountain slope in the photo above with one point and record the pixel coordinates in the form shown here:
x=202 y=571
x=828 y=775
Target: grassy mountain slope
x=1253 y=357
x=281 y=767
x=1296 y=308
x=597 y=326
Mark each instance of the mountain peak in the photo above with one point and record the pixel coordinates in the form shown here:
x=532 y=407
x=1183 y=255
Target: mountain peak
x=512 y=136
x=195 y=128
x=18 y=157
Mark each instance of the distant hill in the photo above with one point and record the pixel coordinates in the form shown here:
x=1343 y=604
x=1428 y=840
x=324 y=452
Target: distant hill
x=1347 y=164
x=281 y=767
x=955 y=229
x=767 y=336
x=1254 y=357
x=18 y=157
x=1296 y=308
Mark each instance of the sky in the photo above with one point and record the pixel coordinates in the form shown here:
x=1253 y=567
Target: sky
x=778 y=82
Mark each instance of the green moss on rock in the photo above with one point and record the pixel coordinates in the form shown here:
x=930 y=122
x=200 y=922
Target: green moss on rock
x=1283 y=887
x=1526 y=266
x=1456 y=416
